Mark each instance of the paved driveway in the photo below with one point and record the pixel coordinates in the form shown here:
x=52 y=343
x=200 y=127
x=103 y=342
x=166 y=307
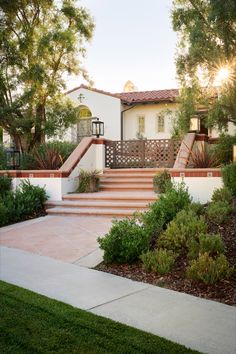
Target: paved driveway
x=66 y=238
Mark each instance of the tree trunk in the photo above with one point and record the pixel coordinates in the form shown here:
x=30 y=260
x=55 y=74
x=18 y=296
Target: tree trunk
x=39 y=135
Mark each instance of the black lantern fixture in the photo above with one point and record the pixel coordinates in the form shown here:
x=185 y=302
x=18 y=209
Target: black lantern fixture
x=195 y=124
x=13 y=158
x=97 y=127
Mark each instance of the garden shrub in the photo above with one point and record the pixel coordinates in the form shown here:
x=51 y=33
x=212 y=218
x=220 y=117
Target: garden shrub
x=29 y=199
x=196 y=207
x=210 y=243
x=162 y=182
x=88 y=181
x=51 y=155
x=64 y=148
x=3 y=214
x=8 y=200
x=27 y=202
x=209 y=270
x=218 y=212
x=229 y=177
x=224 y=148
x=3 y=161
x=164 y=210
x=203 y=157
x=27 y=161
x=184 y=227
x=222 y=195
x=125 y=242
x=5 y=185
x=158 y=261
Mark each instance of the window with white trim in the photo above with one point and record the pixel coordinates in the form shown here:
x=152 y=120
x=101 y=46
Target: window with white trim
x=141 y=124
x=160 y=122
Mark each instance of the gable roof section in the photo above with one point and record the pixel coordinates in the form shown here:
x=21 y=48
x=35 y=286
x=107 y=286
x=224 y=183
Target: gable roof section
x=94 y=90
x=137 y=97
x=149 y=96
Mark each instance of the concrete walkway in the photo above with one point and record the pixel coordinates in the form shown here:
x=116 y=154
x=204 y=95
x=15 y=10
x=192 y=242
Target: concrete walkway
x=204 y=325
x=66 y=238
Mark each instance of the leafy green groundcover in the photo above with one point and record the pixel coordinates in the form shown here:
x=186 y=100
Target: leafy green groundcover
x=31 y=323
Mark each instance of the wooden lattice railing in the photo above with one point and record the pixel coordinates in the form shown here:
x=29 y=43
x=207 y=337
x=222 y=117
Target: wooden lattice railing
x=141 y=153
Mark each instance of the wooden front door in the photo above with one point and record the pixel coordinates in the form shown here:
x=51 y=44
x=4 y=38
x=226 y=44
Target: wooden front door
x=84 y=128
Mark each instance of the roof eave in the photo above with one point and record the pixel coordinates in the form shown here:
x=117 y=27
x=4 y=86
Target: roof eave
x=148 y=102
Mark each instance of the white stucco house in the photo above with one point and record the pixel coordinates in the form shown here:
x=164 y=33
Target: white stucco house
x=128 y=115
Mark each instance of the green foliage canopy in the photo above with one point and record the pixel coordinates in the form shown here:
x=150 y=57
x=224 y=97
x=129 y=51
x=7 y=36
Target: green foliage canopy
x=41 y=41
x=207 y=43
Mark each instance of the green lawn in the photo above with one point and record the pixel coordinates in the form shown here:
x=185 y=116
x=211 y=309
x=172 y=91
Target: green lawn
x=31 y=323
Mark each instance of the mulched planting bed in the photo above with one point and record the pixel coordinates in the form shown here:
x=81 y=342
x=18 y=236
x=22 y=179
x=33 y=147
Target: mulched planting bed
x=224 y=291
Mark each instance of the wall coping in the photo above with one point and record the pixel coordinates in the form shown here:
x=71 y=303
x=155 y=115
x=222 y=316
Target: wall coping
x=195 y=172
x=65 y=170
x=174 y=172
x=184 y=150
x=79 y=152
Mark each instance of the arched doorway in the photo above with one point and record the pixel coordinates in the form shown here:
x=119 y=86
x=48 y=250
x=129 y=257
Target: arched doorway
x=84 y=125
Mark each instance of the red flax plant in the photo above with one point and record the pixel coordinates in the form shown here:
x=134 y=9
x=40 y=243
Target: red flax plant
x=48 y=158
x=202 y=157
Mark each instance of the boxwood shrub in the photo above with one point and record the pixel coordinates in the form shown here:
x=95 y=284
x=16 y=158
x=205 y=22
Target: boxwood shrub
x=209 y=270
x=165 y=209
x=181 y=230
x=5 y=185
x=125 y=242
x=229 y=177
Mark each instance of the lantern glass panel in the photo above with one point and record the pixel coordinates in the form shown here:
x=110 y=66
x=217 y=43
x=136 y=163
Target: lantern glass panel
x=101 y=128
x=13 y=158
x=97 y=128
x=194 y=124
x=94 y=128
x=234 y=153
x=10 y=158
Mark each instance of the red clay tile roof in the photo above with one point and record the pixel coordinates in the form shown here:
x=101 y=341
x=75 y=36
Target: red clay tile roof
x=149 y=96
x=139 y=96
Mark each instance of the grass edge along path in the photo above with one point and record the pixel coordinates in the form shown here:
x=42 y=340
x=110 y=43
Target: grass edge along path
x=32 y=323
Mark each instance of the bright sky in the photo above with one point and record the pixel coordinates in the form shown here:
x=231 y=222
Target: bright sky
x=133 y=40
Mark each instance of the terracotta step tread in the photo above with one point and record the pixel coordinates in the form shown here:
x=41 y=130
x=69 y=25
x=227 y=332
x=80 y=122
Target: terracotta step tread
x=97 y=204
x=126 y=186
x=126 y=180
x=127 y=175
x=113 y=195
x=84 y=211
x=130 y=170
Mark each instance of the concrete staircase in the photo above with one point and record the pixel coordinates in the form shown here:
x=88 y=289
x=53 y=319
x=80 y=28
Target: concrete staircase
x=122 y=192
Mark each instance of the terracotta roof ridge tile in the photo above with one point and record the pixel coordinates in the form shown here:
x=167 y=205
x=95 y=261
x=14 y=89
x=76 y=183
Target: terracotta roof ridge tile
x=146 y=91
x=136 y=96
x=93 y=89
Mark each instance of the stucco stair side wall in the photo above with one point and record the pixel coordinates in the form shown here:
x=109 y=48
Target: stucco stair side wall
x=105 y=107
x=200 y=188
x=53 y=186
x=150 y=112
x=93 y=159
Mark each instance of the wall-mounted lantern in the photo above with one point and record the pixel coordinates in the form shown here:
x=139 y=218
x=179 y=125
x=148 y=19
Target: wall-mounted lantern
x=234 y=153
x=195 y=124
x=13 y=158
x=97 y=127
